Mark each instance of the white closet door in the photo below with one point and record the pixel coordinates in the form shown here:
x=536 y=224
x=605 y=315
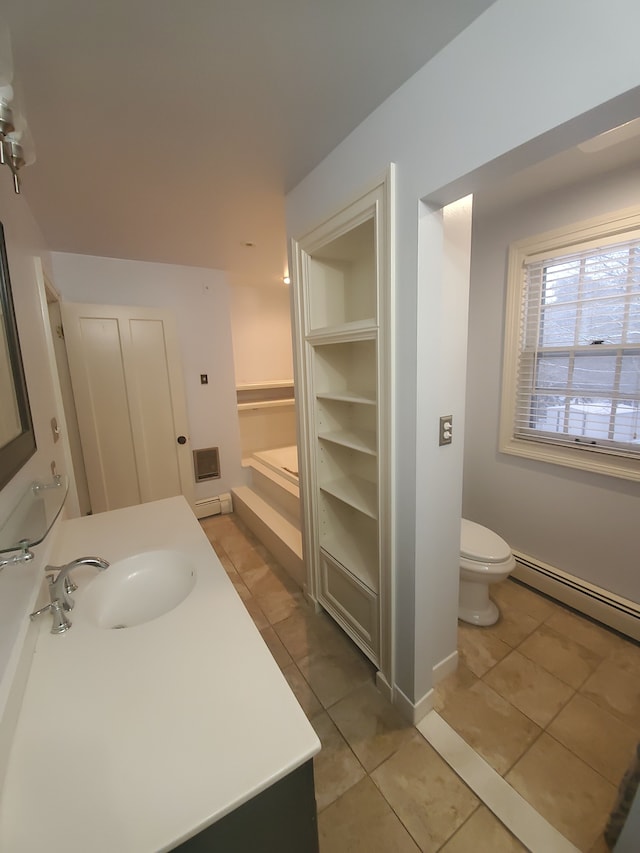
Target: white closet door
x=129 y=394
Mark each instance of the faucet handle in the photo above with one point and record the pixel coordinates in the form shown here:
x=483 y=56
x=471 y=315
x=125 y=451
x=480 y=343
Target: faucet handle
x=69 y=586
x=61 y=621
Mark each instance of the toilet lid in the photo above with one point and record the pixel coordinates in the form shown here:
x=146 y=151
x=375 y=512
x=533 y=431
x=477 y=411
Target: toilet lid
x=481 y=544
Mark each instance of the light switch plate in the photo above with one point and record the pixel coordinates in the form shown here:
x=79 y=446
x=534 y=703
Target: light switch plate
x=446 y=429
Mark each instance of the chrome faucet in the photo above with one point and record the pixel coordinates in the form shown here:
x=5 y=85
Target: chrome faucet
x=62 y=586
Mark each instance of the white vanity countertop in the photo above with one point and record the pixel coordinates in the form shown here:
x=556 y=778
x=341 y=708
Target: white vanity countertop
x=134 y=740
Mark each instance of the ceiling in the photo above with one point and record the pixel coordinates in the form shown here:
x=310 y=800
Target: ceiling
x=170 y=131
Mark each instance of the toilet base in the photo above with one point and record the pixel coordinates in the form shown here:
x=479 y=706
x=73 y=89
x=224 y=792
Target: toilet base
x=475 y=617
x=475 y=606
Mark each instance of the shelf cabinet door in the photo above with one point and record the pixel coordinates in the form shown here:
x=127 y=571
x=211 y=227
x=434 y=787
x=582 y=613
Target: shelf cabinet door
x=351 y=602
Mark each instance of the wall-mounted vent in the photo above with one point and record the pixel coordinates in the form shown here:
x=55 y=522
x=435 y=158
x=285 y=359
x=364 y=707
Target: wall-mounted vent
x=206 y=463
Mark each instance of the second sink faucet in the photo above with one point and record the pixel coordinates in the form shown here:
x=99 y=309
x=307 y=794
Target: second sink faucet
x=61 y=586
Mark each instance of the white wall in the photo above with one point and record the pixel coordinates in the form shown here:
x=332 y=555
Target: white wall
x=580 y=522
x=199 y=300
x=510 y=90
x=261 y=327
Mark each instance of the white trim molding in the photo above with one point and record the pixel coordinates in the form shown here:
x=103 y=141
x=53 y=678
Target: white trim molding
x=510 y=807
x=445 y=667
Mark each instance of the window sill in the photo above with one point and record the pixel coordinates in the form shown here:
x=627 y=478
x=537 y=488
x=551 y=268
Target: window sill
x=581 y=458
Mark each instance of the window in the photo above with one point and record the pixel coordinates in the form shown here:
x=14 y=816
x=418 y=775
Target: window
x=571 y=388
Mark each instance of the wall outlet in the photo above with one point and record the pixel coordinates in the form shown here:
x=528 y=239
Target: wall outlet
x=446 y=429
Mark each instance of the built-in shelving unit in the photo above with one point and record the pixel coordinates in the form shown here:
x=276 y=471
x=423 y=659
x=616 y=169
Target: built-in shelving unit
x=264 y=395
x=342 y=296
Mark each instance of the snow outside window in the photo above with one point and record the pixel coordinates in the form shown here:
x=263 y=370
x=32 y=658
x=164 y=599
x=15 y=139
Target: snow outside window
x=571 y=391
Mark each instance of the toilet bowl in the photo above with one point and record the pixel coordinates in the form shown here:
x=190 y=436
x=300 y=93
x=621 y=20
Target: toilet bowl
x=485 y=558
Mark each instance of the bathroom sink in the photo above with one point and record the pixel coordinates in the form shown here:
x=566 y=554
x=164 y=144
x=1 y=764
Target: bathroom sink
x=138 y=589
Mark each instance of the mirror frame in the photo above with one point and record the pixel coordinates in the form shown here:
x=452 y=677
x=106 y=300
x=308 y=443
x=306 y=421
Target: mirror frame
x=16 y=452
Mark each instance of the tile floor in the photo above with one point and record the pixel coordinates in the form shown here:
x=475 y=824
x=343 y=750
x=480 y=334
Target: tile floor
x=550 y=700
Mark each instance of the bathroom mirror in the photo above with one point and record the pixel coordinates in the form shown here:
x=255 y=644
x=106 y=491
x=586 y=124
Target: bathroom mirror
x=17 y=439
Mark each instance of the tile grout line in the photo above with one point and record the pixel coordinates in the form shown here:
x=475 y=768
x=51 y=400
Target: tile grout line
x=464 y=823
x=520 y=818
x=575 y=691
x=520 y=757
x=395 y=812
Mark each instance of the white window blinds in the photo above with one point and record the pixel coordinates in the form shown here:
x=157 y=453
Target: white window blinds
x=578 y=380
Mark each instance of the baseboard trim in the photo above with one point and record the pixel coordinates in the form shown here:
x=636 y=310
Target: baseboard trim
x=416 y=711
x=445 y=667
x=413 y=712
x=384 y=687
x=606 y=607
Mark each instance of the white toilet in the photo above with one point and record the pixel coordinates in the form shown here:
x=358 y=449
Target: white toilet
x=485 y=558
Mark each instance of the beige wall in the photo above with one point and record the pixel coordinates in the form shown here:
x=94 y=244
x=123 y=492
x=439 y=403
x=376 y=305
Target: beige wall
x=261 y=328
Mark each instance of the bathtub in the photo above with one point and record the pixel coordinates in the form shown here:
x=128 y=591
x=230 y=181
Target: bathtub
x=282 y=460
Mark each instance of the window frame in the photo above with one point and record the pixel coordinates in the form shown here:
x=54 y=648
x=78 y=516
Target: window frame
x=609 y=228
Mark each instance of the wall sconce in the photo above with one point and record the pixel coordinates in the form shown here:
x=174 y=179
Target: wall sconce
x=16 y=144
x=18 y=149
x=6 y=117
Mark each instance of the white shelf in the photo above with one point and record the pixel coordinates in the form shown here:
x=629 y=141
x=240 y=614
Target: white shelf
x=346 y=368
x=353 y=331
x=356 y=492
x=342 y=277
x=363 y=441
x=346 y=397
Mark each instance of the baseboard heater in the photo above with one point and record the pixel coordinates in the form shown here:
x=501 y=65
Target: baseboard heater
x=612 y=610
x=221 y=504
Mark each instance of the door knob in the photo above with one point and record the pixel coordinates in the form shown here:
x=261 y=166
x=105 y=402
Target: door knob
x=182 y=439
